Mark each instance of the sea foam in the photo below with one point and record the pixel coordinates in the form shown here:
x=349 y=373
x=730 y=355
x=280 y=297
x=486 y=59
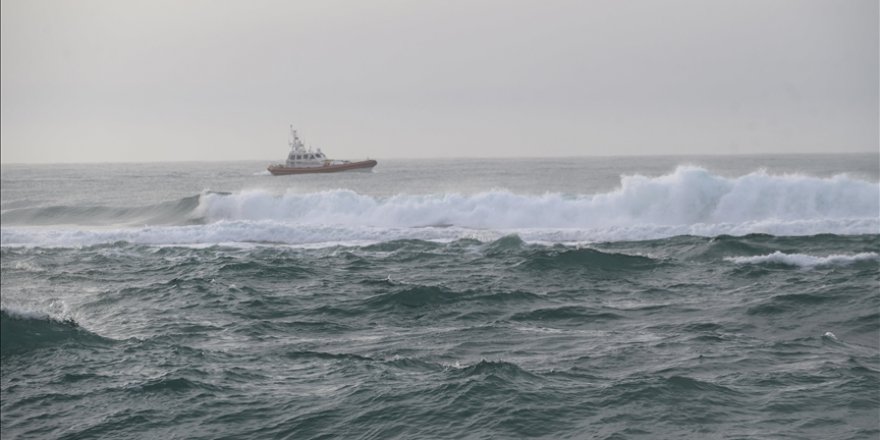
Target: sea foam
x=689 y=201
x=805 y=260
x=689 y=196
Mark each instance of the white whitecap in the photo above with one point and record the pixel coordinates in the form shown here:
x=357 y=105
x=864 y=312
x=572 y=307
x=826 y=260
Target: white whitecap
x=805 y=260
x=689 y=201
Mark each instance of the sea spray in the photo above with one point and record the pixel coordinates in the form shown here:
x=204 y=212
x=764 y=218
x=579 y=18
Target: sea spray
x=688 y=201
x=686 y=197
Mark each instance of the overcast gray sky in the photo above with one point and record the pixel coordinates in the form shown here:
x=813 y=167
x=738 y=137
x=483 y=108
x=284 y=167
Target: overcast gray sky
x=109 y=80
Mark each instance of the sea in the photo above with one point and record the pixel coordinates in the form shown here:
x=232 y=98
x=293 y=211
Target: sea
x=705 y=297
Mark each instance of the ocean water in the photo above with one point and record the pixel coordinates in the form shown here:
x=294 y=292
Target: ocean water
x=653 y=297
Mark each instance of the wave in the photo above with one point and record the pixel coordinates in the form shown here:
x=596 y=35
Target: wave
x=562 y=314
x=674 y=390
x=807 y=261
x=170 y=384
x=24 y=331
x=689 y=196
x=550 y=259
x=258 y=233
x=497 y=368
x=415 y=297
x=689 y=201
x=165 y=213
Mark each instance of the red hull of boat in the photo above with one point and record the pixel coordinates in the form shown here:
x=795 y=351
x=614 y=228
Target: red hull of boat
x=283 y=171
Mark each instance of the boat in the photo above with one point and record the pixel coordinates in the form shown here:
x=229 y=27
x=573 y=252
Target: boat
x=306 y=161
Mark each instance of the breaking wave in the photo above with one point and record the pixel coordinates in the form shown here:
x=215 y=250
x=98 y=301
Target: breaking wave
x=807 y=261
x=689 y=201
x=689 y=196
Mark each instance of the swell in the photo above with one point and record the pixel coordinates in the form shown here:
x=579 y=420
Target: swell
x=557 y=258
x=426 y=298
x=511 y=251
x=741 y=249
x=576 y=315
x=550 y=373
x=173 y=212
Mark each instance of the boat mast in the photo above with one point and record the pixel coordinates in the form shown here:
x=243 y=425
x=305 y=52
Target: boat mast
x=294 y=142
x=291 y=137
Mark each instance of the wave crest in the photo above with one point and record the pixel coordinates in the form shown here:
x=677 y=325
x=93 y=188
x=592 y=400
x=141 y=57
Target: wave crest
x=805 y=260
x=689 y=201
x=689 y=196
x=22 y=331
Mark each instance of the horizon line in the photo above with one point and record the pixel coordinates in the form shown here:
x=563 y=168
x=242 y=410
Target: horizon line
x=711 y=154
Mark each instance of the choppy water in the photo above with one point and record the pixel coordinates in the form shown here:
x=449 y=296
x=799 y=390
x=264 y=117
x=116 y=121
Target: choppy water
x=578 y=298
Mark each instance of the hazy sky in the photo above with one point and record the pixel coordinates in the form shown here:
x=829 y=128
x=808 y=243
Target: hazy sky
x=109 y=80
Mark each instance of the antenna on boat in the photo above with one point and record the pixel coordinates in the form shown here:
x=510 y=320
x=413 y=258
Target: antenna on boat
x=294 y=138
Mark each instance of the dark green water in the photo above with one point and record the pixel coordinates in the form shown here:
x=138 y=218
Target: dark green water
x=254 y=313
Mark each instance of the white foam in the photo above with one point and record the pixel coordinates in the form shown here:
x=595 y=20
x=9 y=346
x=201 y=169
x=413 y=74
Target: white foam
x=270 y=232
x=27 y=266
x=38 y=308
x=689 y=201
x=689 y=196
x=22 y=312
x=805 y=260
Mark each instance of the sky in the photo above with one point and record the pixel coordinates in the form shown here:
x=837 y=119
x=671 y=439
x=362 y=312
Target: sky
x=132 y=81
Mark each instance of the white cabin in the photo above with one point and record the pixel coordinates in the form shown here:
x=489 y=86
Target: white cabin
x=300 y=157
